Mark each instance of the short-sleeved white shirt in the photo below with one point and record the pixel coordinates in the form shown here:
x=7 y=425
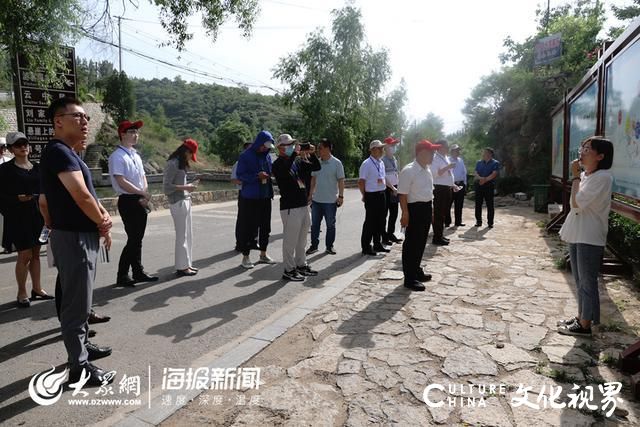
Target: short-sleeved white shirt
x=372 y=172
x=439 y=162
x=416 y=182
x=127 y=163
x=589 y=222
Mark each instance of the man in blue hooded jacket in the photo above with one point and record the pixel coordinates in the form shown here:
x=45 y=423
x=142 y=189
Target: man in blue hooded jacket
x=254 y=171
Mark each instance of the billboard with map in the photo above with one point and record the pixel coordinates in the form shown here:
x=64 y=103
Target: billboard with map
x=582 y=119
x=622 y=119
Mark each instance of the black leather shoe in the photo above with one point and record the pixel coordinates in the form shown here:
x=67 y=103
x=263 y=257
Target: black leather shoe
x=446 y=239
x=96 y=352
x=381 y=249
x=23 y=303
x=490 y=226
x=394 y=239
x=422 y=277
x=439 y=242
x=91 y=333
x=126 y=281
x=144 y=277
x=43 y=295
x=387 y=242
x=478 y=224
x=369 y=251
x=184 y=273
x=414 y=286
x=461 y=225
x=96 y=318
x=97 y=376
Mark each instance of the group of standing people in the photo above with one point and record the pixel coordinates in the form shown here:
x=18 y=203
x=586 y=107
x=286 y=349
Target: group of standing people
x=306 y=176
x=59 y=195
x=436 y=181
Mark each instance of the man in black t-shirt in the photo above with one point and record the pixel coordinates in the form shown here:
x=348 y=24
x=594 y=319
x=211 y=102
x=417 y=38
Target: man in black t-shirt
x=288 y=170
x=77 y=220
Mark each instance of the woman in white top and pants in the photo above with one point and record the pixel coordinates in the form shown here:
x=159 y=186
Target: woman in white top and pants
x=585 y=229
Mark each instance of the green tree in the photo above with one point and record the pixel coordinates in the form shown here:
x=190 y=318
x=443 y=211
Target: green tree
x=119 y=99
x=228 y=139
x=336 y=83
x=38 y=29
x=509 y=109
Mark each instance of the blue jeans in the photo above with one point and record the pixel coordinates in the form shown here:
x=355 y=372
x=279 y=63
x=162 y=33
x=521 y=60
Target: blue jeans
x=585 y=265
x=328 y=211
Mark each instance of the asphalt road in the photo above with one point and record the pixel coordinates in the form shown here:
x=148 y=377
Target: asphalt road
x=167 y=324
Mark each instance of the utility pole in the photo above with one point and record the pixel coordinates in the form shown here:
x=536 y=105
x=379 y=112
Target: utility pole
x=120 y=41
x=546 y=23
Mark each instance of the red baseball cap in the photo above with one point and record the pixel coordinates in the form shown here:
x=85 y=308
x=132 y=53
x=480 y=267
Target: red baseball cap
x=425 y=144
x=192 y=145
x=391 y=140
x=126 y=125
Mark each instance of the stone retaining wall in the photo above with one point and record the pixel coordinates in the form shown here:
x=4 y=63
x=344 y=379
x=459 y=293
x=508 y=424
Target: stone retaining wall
x=160 y=201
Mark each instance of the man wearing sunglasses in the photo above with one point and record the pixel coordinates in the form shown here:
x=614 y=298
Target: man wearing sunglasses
x=130 y=183
x=77 y=220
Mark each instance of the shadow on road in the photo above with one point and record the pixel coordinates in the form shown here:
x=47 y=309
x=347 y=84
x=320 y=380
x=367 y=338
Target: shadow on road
x=181 y=327
x=27 y=344
x=358 y=329
x=22 y=405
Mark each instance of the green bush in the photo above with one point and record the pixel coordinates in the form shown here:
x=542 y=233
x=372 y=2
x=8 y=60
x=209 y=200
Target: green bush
x=624 y=236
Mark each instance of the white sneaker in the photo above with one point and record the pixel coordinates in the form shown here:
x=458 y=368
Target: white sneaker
x=246 y=262
x=266 y=259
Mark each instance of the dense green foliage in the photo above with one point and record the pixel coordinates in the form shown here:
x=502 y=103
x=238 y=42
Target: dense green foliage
x=91 y=78
x=119 y=100
x=229 y=138
x=197 y=110
x=624 y=236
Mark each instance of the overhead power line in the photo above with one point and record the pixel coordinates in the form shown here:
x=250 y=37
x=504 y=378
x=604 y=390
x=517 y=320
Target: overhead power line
x=180 y=67
x=202 y=60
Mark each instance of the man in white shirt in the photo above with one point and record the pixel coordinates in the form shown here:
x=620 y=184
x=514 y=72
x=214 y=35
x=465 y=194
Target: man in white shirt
x=415 y=190
x=442 y=190
x=130 y=183
x=391 y=176
x=460 y=180
x=372 y=186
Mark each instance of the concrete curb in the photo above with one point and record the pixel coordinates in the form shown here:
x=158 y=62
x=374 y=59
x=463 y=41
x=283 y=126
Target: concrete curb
x=245 y=347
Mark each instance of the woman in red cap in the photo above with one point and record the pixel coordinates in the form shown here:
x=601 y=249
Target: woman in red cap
x=178 y=192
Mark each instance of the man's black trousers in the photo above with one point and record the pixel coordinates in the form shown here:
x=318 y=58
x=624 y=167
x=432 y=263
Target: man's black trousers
x=134 y=218
x=415 y=239
x=375 y=206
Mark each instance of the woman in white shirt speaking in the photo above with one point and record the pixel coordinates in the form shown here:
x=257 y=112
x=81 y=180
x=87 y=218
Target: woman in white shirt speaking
x=585 y=229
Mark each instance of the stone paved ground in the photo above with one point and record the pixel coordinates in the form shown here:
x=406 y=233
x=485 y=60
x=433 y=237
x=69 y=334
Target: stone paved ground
x=487 y=317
